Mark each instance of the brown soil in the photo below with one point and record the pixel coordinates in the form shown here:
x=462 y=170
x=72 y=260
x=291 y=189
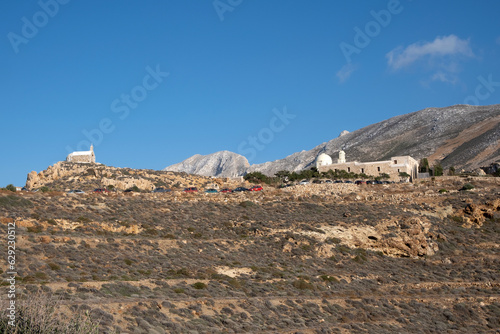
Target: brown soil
x=401 y=258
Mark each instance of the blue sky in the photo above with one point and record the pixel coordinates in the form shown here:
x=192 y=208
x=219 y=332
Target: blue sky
x=152 y=83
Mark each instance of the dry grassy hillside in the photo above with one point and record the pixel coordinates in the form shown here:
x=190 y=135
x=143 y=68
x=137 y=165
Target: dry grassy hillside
x=329 y=258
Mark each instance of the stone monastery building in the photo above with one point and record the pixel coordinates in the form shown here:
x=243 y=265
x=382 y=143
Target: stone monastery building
x=82 y=156
x=399 y=164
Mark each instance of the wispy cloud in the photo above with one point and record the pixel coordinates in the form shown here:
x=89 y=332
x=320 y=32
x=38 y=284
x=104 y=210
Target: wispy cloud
x=346 y=71
x=445 y=77
x=451 y=45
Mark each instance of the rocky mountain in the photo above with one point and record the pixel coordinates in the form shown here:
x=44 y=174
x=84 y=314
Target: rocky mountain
x=462 y=136
x=220 y=164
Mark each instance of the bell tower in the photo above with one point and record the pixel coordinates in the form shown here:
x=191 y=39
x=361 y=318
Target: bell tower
x=341 y=159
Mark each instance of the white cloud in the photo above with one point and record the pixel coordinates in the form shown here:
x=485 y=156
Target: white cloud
x=441 y=46
x=345 y=72
x=445 y=77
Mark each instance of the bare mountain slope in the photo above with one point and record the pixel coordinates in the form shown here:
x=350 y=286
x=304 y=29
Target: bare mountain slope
x=462 y=136
x=220 y=164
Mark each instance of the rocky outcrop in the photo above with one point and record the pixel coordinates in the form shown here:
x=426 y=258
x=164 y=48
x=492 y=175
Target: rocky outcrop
x=64 y=176
x=219 y=164
x=408 y=238
x=476 y=215
x=55 y=172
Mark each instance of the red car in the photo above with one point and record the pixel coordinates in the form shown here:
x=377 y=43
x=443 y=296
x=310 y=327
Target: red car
x=256 y=188
x=101 y=190
x=191 y=190
x=226 y=190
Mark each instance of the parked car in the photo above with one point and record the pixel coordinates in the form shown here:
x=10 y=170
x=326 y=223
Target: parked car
x=101 y=190
x=328 y=181
x=304 y=182
x=239 y=189
x=317 y=181
x=226 y=190
x=211 y=191
x=256 y=188
x=76 y=191
x=348 y=181
x=285 y=185
x=358 y=182
x=339 y=181
x=370 y=182
x=191 y=190
x=161 y=190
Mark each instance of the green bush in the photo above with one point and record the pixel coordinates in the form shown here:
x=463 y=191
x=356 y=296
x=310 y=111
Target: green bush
x=438 y=169
x=256 y=177
x=199 y=285
x=11 y=187
x=44 y=189
x=443 y=191
x=468 y=186
x=51 y=222
x=303 y=285
x=134 y=189
x=53 y=266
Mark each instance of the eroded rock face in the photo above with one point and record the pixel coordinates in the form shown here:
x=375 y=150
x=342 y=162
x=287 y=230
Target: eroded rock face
x=413 y=238
x=476 y=214
x=64 y=176
x=408 y=238
x=33 y=180
x=55 y=172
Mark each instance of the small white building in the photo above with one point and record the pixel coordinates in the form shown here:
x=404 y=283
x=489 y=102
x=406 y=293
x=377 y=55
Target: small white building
x=82 y=156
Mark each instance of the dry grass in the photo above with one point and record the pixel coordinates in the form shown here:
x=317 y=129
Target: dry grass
x=149 y=263
x=40 y=314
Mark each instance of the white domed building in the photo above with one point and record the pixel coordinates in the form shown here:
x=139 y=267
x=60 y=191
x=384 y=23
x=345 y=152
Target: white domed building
x=323 y=160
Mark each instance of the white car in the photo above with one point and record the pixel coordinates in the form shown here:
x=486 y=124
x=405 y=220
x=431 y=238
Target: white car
x=304 y=182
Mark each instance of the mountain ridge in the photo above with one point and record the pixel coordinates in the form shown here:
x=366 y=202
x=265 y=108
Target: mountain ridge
x=462 y=136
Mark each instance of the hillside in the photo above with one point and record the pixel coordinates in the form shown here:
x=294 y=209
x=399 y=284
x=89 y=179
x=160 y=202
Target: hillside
x=326 y=258
x=462 y=136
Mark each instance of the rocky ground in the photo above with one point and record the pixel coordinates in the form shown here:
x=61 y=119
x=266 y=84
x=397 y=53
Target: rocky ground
x=328 y=258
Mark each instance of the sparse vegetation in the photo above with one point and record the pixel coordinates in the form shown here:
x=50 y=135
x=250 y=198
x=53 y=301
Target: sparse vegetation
x=249 y=262
x=38 y=314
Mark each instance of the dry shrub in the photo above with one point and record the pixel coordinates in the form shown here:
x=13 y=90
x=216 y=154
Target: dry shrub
x=39 y=314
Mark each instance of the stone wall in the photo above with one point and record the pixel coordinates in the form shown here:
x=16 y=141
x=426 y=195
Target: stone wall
x=400 y=164
x=81 y=158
